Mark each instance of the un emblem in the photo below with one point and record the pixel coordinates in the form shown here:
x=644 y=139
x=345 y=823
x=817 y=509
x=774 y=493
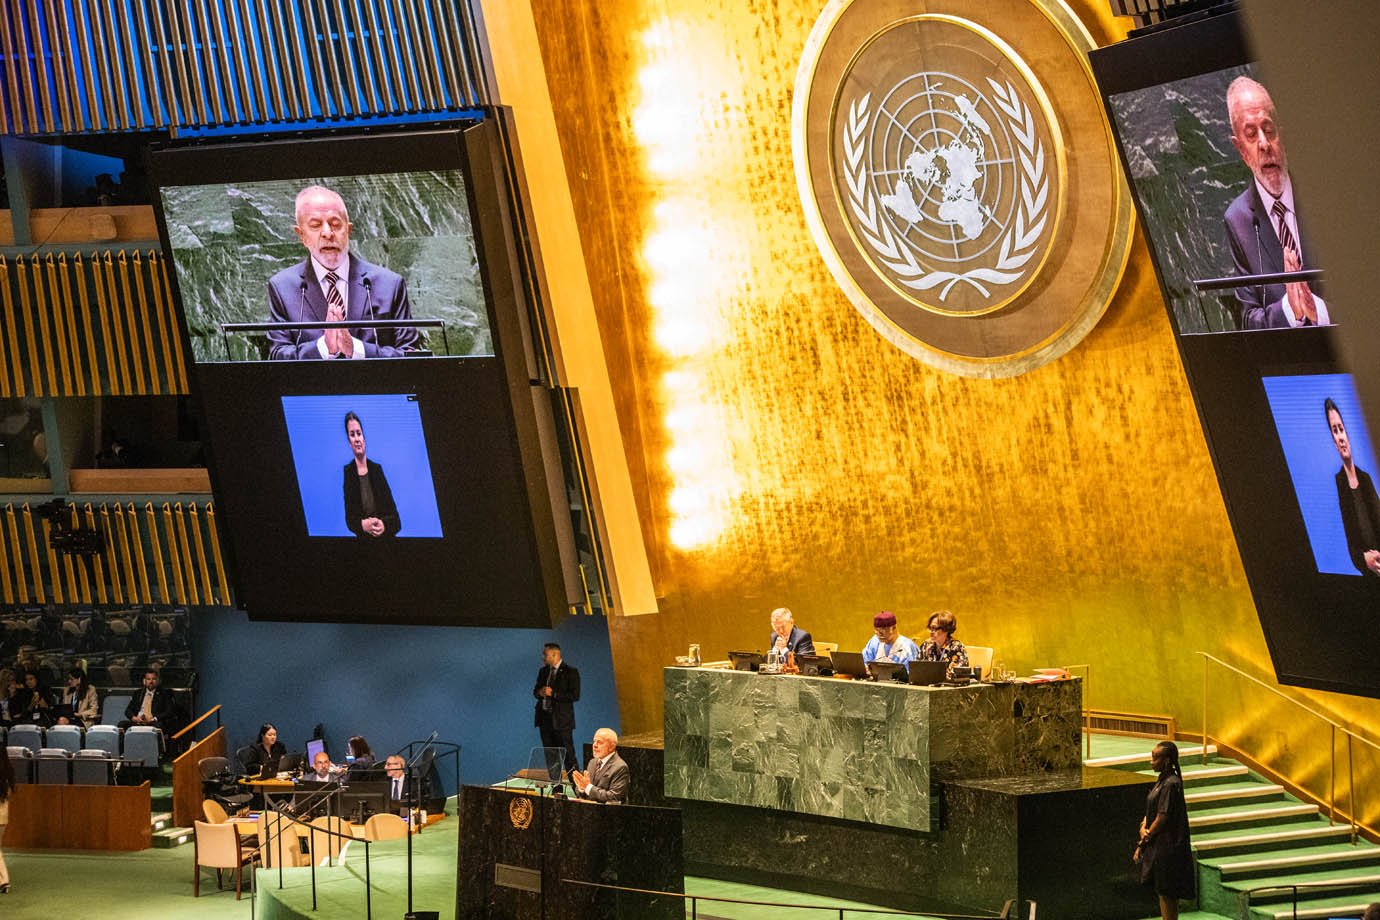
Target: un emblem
x=520 y=812
x=935 y=164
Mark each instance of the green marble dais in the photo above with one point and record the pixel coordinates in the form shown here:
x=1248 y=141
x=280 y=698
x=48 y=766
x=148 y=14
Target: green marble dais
x=856 y=750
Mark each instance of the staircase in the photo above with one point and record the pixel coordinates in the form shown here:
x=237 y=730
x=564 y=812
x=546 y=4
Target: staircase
x=1249 y=833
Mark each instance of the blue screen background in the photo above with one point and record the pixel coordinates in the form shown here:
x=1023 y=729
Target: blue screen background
x=393 y=438
x=1297 y=405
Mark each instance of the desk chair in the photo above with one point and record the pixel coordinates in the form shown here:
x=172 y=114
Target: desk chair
x=91 y=768
x=54 y=766
x=103 y=738
x=22 y=760
x=218 y=847
x=324 y=845
x=290 y=842
x=67 y=737
x=385 y=827
x=25 y=736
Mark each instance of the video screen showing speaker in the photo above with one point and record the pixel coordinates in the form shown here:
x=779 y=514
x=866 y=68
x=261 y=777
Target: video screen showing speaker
x=353 y=309
x=1206 y=154
x=1207 y=159
x=260 y=261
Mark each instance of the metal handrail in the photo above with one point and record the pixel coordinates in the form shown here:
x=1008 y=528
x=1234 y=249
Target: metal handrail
x=1293 y=889
x=1335 y=727
x=694 y=900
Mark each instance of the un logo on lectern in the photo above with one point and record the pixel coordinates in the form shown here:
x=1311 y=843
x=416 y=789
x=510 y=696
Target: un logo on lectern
x=936 y=165
x=520 y=812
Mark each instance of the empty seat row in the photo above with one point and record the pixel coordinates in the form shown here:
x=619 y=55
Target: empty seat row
x=57 y=766
x=139 y=744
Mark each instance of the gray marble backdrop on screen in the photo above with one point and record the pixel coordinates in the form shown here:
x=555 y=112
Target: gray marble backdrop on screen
x=228 y=240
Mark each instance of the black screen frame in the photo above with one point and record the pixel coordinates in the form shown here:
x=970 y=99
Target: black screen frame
x=507 y=379
x=1311 y=621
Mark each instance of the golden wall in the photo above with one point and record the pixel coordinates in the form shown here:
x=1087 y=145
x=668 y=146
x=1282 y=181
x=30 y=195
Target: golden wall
x=782 y=453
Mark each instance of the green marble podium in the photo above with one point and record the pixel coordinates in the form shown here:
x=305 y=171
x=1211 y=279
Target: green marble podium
x=857 y=750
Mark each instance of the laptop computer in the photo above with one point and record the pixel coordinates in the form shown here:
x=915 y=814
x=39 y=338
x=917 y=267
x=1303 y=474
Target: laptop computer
x=745 y=661
x=888 y=670
x=850 y=663
x=928 y=673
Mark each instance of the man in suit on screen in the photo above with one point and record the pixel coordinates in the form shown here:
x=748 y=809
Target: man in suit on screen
x=333 y=286
x=1262 y=224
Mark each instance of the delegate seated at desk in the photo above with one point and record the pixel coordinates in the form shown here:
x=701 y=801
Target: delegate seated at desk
x=265 y=754
x=399 y=784
x=941 y=645
x=605 y=778
x=888 y=645
x=786 y=637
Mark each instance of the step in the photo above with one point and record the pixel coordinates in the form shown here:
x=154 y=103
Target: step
x=1125 y=760
x=170 y=837
x=160 y=820
x=1232 y=792
x=1345 y=906
x=1252 y=815
x=1294 y=836
x=1340 y=884
x=1211 y=773
x=1291 y=861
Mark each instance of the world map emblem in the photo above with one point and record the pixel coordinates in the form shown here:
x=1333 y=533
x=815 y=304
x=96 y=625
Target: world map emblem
x=957 y=200
x=936 y=167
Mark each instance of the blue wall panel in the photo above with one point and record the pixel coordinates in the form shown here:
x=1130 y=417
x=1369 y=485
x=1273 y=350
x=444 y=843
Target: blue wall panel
x=395 y=684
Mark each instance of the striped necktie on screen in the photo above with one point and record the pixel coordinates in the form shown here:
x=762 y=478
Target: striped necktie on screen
x=1286 y=236
x=333 y=297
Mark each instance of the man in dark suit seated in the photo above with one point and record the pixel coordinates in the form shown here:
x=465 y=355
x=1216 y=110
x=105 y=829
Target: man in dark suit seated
x=333 y=286
x=399 y=787
x=605 y=778
x=787 y=637
x=154 y=706
x=557 y=690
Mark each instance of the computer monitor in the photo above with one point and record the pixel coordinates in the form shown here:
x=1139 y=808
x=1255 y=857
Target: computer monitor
x=745 y=661
x=363 y=799
x=314 y=746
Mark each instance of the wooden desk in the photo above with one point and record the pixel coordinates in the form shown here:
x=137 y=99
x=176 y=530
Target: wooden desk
x=79 y=817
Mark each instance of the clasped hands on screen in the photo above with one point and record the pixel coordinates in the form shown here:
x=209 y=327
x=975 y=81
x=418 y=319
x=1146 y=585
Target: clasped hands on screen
x=338 y=341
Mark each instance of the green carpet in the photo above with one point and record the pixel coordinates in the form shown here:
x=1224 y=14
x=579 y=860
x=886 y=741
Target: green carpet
x=157 y=884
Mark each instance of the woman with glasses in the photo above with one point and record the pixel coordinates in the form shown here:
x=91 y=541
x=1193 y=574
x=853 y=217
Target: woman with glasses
x=941 y=645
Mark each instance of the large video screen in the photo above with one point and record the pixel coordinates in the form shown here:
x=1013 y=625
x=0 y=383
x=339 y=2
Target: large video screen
x=352 y=307
x=1206 y=152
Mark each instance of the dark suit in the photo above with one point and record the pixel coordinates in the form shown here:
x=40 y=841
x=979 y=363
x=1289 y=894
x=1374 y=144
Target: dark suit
x=1257 y=255
x=557 y=724
x=608 y=783
x=1362 y=525
x=372 y=292
x=162 y=708
x=798 y=641
x=398 y=802
x=384 y=507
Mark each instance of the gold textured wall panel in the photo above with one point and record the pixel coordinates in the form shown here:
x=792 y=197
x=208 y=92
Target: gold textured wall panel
x=783 y=453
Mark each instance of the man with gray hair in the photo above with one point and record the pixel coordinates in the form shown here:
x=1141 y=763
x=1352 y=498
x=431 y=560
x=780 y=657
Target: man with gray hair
x=787 y=637
x=605 y=778
x=331 y=285
x=1262 y=225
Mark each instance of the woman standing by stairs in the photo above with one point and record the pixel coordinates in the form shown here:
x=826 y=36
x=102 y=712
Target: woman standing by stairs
x=1164 y=853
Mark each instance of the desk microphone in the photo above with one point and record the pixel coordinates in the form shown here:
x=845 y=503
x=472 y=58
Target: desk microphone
x=1259 y=259
x=369 y=302
x=301 y=314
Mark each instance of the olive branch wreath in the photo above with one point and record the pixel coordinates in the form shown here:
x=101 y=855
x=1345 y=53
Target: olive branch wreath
x=1017 y=246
